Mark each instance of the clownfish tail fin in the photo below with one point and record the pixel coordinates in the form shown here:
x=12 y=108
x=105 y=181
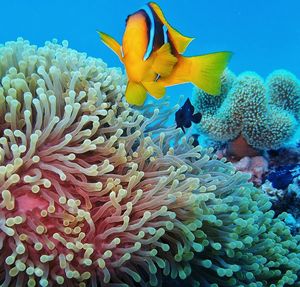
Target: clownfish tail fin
x=206 y=71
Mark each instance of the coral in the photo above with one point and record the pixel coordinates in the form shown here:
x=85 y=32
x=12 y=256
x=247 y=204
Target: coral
x=286 y=200
x=282 y=176
x=210 y=104
x=92 y=192
x=284 y=91
x=256 y=166
x=263 y=114
x=284 y=156
x=274 y=194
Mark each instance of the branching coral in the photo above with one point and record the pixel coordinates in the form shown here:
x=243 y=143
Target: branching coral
x=92 y=193
x=264 y=115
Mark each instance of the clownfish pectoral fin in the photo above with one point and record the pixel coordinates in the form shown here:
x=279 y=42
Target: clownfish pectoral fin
x=164 y=61
x=135 y=94
x=203 y=71
x=112 y=44
x=155 y=89
x=179 y=41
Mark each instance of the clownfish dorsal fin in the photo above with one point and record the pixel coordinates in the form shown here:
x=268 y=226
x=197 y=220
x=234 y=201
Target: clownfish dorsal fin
x=164 y=61
x=179 y=41
x=112 y=44
x=155 y=89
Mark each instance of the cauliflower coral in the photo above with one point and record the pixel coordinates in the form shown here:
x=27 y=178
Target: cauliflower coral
x=257 y=114
x=92 y=193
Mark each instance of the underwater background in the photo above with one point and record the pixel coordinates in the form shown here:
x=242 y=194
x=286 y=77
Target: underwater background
x=263 y=35
x=97 y=192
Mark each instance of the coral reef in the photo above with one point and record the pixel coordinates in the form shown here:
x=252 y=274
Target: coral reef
x=286 y=200
x=284 y=91
x=282 y=185
x=284 y=156
x=93 y=194
x=260 y=116
x=256 y=166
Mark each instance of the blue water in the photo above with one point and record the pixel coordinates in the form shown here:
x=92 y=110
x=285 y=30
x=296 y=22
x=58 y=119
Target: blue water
x=264 y=35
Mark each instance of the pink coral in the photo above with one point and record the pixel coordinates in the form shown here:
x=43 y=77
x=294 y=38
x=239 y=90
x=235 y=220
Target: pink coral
x=256 y=166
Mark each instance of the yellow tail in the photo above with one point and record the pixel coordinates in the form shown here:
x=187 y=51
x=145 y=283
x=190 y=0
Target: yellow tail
x=203 y=71
x=206 y=71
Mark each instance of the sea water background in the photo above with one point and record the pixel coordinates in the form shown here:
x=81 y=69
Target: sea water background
x=263 y=34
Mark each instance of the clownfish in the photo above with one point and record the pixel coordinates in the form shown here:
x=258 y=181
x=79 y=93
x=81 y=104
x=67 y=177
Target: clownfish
x=152 y=54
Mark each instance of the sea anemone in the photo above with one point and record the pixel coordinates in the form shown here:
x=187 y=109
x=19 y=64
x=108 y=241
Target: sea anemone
x=92 y=192
x=74 y=206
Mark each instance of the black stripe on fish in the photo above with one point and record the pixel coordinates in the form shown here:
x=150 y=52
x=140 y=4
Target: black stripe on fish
x=157 y=32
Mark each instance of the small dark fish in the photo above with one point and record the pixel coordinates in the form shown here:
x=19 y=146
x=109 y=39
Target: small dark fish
x=283 y=176
x=185 y=116
x=196 y=141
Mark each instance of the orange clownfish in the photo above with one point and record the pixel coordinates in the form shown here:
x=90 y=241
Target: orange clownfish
x=151 y=52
